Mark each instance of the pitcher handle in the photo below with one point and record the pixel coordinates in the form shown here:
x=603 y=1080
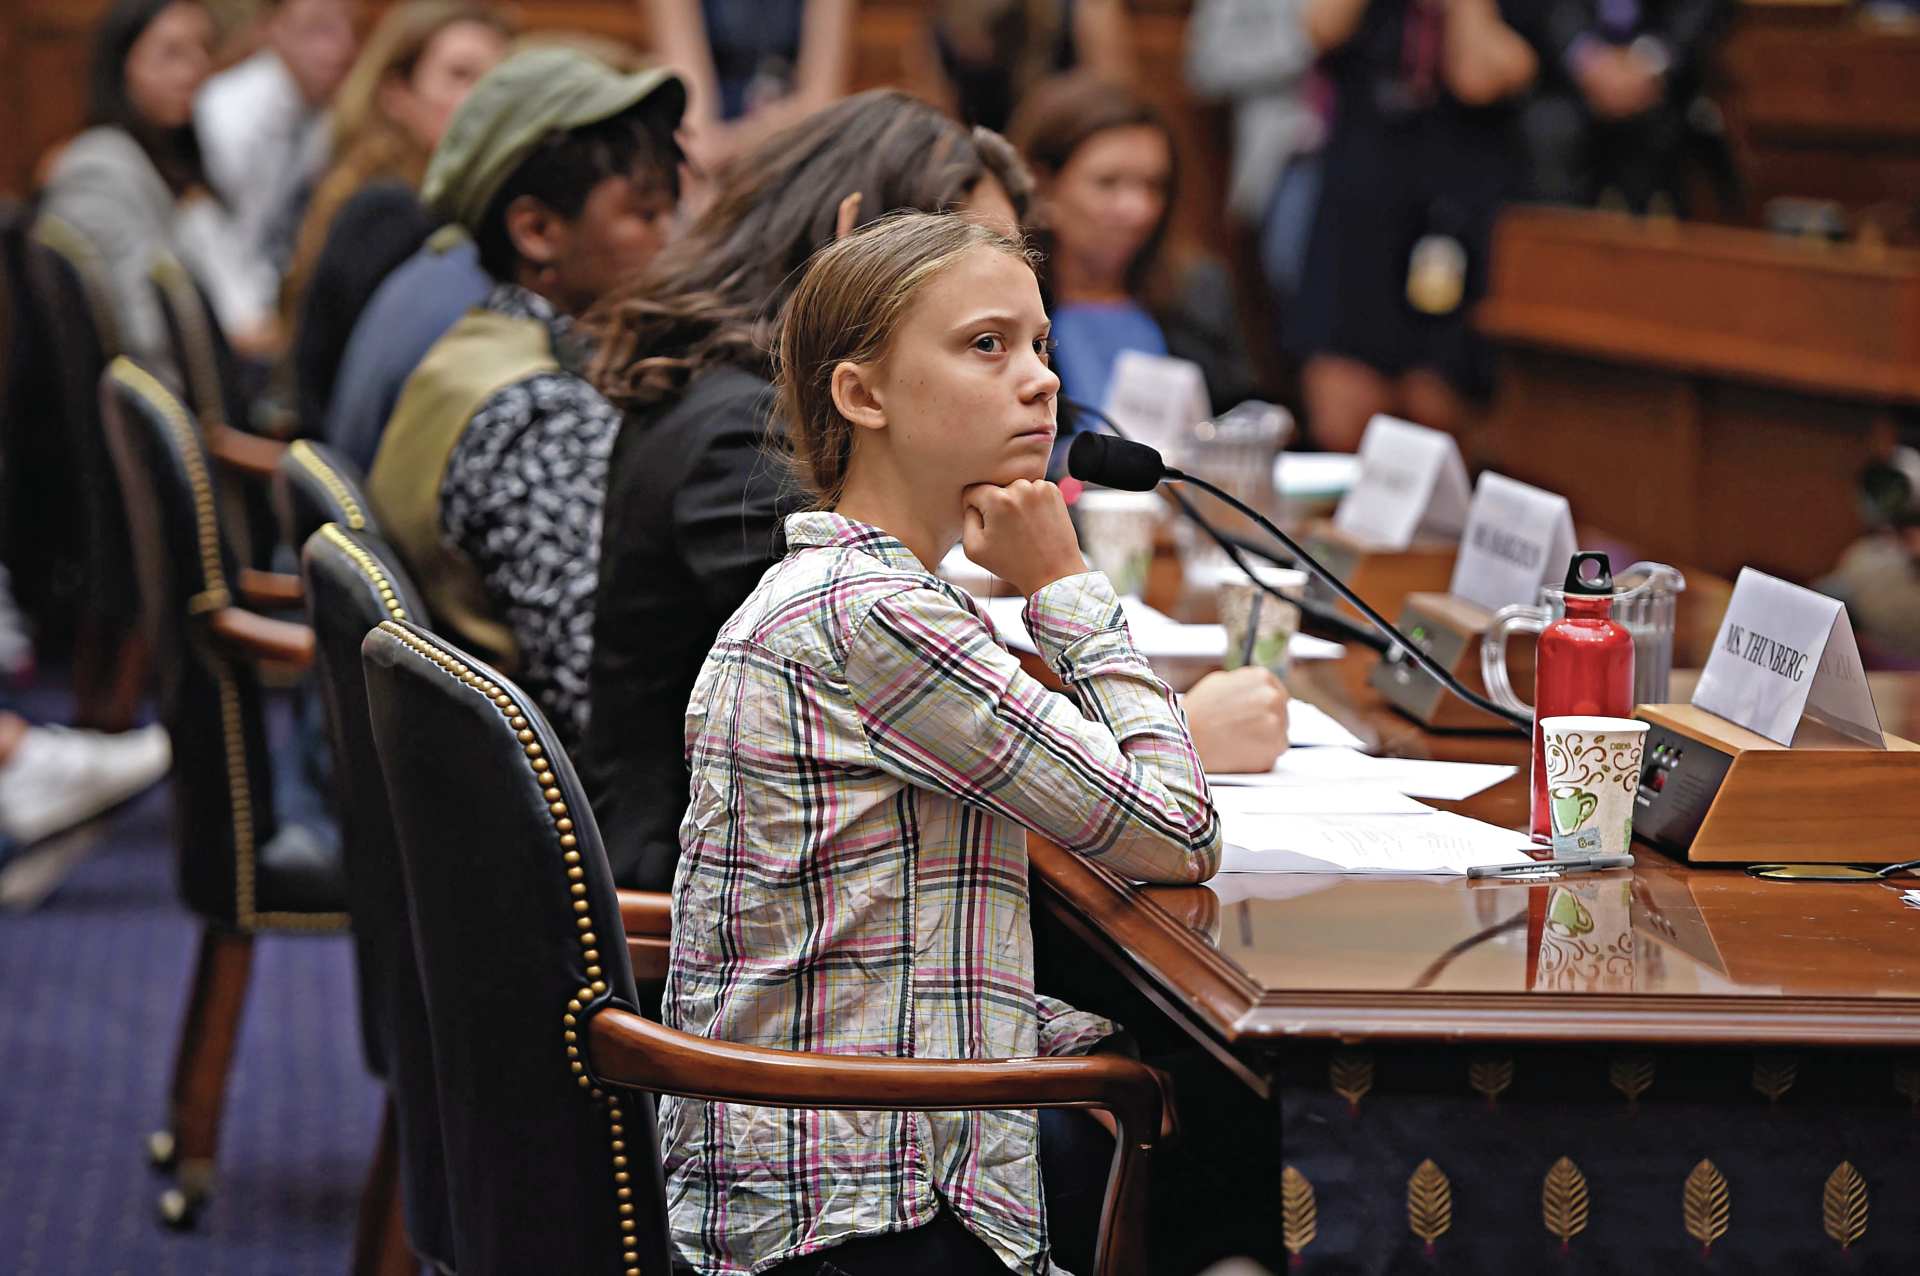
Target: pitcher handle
x=1522 y=618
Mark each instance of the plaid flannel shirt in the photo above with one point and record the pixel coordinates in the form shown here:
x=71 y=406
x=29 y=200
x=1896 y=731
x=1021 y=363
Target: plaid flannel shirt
x=866 y=760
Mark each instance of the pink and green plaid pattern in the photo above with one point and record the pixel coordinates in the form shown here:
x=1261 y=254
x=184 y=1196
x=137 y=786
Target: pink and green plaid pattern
x=866 y=761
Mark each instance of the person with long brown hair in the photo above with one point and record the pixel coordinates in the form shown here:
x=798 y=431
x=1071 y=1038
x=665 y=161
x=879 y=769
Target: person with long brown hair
x=866 y=760
x=365 y=217
x=694 y=499
x=1105 y=163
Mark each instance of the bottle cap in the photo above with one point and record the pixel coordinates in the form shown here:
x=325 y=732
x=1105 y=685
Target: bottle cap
x=1600 y=583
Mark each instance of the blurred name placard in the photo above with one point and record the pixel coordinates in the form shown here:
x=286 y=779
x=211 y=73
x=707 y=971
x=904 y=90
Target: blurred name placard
x=1517 y=539
x=1412 y=485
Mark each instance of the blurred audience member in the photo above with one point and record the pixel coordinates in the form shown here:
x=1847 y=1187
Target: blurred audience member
x=1256 y=55
x=994 y=51
x=1418 y=162
x=695 y=500
x=264 y=121
x=751 y=67
x=1103 y=162
x=491 y=474
x=1610 y=114
x=422 y=298
x=1878 y=577
x=365 y=217
x=134 y=186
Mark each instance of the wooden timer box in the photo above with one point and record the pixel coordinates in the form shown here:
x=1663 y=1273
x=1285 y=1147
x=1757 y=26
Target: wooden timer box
x=1720 y=794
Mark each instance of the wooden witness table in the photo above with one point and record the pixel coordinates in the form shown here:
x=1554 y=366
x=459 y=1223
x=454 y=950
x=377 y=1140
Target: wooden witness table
x=1716 y=956
x=1635 y=1026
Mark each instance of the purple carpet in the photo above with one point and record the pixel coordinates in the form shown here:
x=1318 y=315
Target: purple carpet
x=91 y=989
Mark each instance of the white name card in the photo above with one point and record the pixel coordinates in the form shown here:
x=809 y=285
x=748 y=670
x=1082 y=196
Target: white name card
x=1783 y=653
x=1517 y=539
x=1156 y=399
x=1412 y=484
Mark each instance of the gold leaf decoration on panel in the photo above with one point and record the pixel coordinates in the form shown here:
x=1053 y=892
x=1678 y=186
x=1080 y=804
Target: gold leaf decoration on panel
x=1351 y=1076
x=1491 y=1075
x=1906 y=1082
x=1429 y=1204
x=1843 y=1206
x=1704 y=1205
x=1298 y=1223
x=1631 y=1075
x=1774 y=1075
x=1563 y=1202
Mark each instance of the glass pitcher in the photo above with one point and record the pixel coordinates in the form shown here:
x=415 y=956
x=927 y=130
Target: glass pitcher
x=1643 y=600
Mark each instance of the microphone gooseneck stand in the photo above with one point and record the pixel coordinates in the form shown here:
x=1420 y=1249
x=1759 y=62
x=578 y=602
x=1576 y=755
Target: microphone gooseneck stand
x=1121 y=463
x=1329 y=622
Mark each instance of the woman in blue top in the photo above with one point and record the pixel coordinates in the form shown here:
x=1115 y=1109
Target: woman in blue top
x=1103 y=160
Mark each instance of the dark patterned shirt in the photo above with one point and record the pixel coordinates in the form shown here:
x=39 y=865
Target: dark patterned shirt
x=522 y=498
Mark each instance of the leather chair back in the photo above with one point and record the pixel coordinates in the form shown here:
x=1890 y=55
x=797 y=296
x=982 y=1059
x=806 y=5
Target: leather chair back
x=211 y=387
x=210 y=702
x=518 y=935
x=354 y=582
x=70 y=299
x=42 y=528
x=314 y=486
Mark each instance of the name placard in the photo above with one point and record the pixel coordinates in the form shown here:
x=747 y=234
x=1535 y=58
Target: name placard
x=1517 y=539
x=1784 y=653
x=1412 y=485
x=1155 y=399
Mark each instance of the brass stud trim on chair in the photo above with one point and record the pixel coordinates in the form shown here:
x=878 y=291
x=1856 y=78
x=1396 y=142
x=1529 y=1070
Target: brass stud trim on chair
x=197 y=343
x=307 y=459
x=368 y=567
x=63 y=238
x=584 y=998
x=186 y=442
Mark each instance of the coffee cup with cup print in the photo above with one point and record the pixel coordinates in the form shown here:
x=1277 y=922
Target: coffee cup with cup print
x=1593 y=774
x=1274 y=622
x=1116 y=534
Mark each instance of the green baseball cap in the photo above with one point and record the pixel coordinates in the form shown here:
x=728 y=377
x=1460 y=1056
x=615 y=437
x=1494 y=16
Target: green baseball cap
x=515 y=106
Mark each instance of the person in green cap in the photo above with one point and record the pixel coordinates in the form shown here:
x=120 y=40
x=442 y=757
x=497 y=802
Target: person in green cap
x=492 y=471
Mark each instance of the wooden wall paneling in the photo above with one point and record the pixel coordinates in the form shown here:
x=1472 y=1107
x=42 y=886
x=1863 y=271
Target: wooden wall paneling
x=1777 y=490
x=1623 y=445
x=44 y=74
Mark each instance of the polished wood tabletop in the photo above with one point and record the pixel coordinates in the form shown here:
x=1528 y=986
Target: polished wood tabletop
x=1664 y=952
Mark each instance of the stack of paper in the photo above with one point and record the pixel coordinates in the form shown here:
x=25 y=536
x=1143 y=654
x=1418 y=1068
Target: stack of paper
x=1310 y=726
x=1415 y=777
x=1910 y=898
x=1157 y=635
x=1437 y=842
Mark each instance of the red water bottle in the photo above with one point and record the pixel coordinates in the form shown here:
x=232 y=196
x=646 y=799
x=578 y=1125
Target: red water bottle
x=1584 y=666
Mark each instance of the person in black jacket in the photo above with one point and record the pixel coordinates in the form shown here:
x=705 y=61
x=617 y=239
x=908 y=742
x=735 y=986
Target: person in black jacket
x=1610 y=112
x=695 y=494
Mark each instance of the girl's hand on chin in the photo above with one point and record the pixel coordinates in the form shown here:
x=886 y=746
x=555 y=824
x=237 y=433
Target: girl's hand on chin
x=1021 y=533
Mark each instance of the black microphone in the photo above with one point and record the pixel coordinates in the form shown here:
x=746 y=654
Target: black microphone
x=1315 y=617
x=1135 y=467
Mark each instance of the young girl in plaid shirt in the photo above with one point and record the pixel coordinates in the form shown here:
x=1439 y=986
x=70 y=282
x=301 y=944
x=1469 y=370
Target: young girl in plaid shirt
x=867 y=758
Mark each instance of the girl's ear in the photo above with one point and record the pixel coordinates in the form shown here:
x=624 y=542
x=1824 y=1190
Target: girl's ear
x=852 y=387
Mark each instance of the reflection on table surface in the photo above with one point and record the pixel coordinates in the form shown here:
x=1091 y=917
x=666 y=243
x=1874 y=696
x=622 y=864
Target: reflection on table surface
x=1659 y=929
x=1263 y=956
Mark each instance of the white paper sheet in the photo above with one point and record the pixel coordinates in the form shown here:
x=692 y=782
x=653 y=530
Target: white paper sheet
x=1157 y=635
x=1309 y=726
x=1316 y=799
x=1440 y=843
x=1415 y=777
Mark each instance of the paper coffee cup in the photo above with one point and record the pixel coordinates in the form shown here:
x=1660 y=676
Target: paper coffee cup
x=1277 y=623
x=1593 y=773
x=1116 y=534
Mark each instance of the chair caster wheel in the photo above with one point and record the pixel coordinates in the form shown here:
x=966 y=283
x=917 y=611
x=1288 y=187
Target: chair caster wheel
x=163 y=1150
x=178 y=1210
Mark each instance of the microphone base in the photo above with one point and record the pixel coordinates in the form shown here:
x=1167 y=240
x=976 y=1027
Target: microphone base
x=1382 y=577
x=1448 y=629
